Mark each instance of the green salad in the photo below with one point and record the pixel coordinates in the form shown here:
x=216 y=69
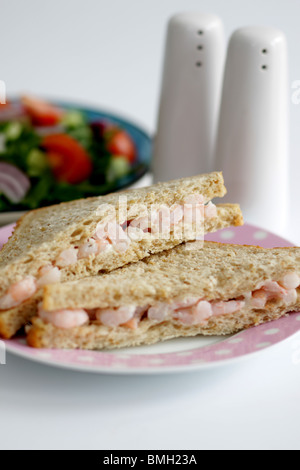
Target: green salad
x=50 y=155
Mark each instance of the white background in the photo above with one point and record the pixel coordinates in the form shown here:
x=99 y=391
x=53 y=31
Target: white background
x=109 y=53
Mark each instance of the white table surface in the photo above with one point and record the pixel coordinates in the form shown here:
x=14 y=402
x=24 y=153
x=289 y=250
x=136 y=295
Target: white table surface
x=110 y=54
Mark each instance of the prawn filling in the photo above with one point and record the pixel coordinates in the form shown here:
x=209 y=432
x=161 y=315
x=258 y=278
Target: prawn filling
x=112 y=236
x=23 y=290
x=164 y=223
x=188 y=312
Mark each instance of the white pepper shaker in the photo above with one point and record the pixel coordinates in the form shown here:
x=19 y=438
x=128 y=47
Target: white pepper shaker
x=252 y=145
x=190 y=96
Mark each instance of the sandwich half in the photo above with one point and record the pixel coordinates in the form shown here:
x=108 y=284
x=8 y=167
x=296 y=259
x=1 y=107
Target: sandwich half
x=96 y=235
x=218 y=289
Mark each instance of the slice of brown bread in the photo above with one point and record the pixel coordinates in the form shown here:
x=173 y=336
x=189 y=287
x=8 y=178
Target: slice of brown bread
x=12 y=320
x=215 y=272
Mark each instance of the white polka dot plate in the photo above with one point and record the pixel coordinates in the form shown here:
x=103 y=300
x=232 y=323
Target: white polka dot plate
x=177 y=355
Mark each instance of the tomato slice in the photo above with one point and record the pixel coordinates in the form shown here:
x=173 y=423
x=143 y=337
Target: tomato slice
x=119 y=143
x=68 y=159
x=41 y=112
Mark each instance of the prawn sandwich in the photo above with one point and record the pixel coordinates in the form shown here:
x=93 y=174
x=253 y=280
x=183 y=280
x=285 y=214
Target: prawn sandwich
x=86 y=237
x=217 y=290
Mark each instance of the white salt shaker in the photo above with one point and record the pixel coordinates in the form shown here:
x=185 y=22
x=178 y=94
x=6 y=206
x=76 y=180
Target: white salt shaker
x=252 y=145
x=190 y=96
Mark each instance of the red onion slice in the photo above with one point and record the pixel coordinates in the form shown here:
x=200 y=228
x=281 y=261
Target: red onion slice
x=14 y=184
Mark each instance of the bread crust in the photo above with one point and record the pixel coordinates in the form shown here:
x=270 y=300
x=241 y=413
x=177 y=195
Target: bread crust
x=14 y=319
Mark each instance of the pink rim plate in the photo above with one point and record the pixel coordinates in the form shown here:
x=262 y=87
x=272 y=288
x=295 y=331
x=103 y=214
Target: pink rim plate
x=175 y=355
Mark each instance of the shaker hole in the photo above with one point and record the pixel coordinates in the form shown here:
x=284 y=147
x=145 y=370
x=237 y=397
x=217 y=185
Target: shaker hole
x=198 y=64
x=200 y=32
x=200 y=47
x=264 y=51
x=264 y=67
